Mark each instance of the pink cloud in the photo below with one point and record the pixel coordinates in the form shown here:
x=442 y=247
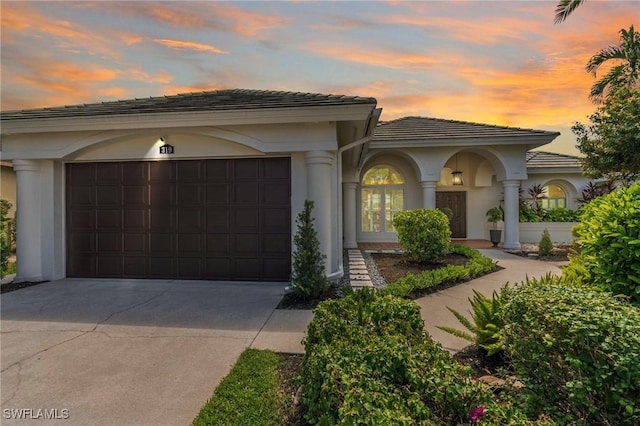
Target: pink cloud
x=189 y=45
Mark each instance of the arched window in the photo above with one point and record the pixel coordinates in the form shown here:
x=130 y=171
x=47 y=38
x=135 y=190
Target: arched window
x=555 y=197
x=382 y=196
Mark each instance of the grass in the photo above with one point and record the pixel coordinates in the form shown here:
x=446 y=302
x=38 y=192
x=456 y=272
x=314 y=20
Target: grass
x=251 y=394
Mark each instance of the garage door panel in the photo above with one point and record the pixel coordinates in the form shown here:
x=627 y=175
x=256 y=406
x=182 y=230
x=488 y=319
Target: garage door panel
x=247 y=220
x=161 y=267
x=247 y=269
x=135 y=195
x=218 y=244
x=162 y=194
x=110 y=195
x=189 y=194
x=245 y=193
x=162 y=243
x=108 y=172
x=135 y=243
x=109 y=242
x=109 y=219
x=81 y=219
x=275 y=193
x=276 y=269
x=202 y=219
x=218 y=268
x=109 y=266
x=190 y=243
x=134 y=172
x=218 y=220
x=82 y=195
x=135 y=267
x=82 y=242
x=218 y=193
x=135 y=219
x=162 y=171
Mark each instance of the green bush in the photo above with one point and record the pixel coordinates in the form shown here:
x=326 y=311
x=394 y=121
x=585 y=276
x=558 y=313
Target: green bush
x=545 y=246
x=308 y=272
x=368 y=361
x=609 y=239
x=424 y=234
x=476 y=266
x=577 y=351
x=560 y=214
x=5 y=236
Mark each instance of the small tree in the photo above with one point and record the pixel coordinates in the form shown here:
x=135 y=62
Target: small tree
x=545 y=246
x=308 y=273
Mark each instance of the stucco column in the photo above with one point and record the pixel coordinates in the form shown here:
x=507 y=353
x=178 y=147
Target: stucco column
x=319 y=165
x=429 y=194
x=28 y=230
x=511 y=214
x=349 y=214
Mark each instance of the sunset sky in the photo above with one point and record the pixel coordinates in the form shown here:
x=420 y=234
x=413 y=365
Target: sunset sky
x=497 y=62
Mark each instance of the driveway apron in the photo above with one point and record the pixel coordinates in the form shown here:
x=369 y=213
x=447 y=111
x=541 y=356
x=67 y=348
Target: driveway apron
x=123 y=352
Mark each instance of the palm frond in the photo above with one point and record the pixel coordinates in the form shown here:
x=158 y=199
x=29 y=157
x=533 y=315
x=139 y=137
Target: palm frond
x=458 y=333
x=566 y=8
x=604 y=55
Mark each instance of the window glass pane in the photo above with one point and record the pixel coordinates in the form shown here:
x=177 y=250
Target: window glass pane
x=554 y=191
x=555 y=197
x=371 y=210
x=394 y=203
x=383 y=175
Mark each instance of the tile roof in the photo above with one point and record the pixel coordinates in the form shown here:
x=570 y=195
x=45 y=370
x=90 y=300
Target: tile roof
x=218 y=100
x=425 y=128
x=544 y=159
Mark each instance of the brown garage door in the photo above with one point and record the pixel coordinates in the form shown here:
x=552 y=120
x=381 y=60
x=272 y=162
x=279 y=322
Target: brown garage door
x=191 y=219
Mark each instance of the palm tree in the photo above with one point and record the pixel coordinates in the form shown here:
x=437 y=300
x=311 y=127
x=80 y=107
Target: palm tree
x=625 y=73
x=566 y=8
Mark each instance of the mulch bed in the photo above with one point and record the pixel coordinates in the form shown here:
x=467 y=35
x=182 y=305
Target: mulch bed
x=9 y=287
x=393 y=266
x=294 y=301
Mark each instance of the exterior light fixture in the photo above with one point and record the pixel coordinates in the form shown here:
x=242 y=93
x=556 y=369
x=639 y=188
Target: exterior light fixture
x=456 y=175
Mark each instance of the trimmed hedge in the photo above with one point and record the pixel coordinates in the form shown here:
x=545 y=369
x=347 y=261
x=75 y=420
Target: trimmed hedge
x=423 y=233
x=476 y=266
x=609 y=239
x=576 y=350
x=368 y=361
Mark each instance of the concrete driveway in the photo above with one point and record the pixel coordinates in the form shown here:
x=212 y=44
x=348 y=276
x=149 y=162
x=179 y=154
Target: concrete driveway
x=124 y=352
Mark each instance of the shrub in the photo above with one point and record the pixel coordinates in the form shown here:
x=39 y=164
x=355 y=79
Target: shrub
x=486 y=329
x=545 y=246
x=609 y=239
x=424 y=234
x=308 y=272
x=577 y=351
x=368 y=361
x=5 y=236
x=560 y=214
x=476 y=266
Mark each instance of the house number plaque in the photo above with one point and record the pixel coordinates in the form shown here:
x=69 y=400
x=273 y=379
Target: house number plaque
x=166 y=149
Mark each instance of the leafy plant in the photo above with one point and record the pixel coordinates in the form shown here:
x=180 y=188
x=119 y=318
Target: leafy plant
x=595 y=190
x=424 y=234
x=545 y=246
x=494 y=215
x=308 y=271
x=576 y=350
x=609 y=240
x=486 y=328
x=537 y=193
x=5 y=236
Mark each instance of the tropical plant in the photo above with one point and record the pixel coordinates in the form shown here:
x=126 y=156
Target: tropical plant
x=566 y=8
x=625 y=73
x=537 y=193
x=595 y=190
x=5 y=235
x=486 y=329
x=611 y=143
x=424 y=234
x=308 y=272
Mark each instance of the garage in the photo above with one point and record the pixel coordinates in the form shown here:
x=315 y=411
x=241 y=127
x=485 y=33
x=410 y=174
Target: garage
x=213 y=219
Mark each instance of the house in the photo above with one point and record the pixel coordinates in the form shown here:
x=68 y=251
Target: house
x=208 y=185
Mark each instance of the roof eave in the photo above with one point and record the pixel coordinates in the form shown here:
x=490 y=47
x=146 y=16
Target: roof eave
x=553 y=170
x=190 y=119
x=531 y=141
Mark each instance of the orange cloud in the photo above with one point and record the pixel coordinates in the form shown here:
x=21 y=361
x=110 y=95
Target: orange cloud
x=189 y=45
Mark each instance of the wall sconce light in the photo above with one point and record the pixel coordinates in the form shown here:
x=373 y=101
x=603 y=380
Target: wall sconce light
x=456 y=175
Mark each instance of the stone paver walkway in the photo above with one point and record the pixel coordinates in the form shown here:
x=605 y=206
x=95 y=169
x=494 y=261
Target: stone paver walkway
x=358 y=272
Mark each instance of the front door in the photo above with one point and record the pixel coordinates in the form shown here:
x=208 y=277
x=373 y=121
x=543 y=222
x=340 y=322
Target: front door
x=457 y=202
